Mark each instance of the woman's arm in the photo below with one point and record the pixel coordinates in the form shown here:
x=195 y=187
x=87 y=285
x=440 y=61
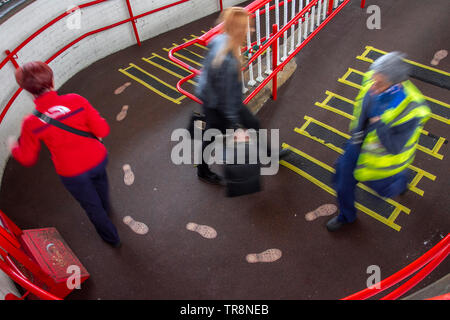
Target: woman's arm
x=26 y=149
x=232 y=94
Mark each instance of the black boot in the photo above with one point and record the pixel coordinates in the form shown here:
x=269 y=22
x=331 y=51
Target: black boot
x=334 y=224
x=208 y=176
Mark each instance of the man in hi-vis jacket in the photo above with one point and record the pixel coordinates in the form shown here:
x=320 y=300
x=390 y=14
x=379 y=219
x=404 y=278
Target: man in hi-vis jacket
x=390 y=113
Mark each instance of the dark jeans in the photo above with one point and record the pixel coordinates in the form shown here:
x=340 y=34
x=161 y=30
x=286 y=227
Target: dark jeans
x=215 y=120
x=345 y=183
x=91 y=190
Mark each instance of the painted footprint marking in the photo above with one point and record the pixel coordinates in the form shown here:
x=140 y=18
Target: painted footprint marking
x=137 y=227
x=205 y=231
x=128 y=177
x=122 y=114
x=270 y=255
x=120 y=89
x=322 y=211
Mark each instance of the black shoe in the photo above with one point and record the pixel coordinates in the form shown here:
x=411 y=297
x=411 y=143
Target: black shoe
x=116 y=245
x=333 y=224
x=210 y=177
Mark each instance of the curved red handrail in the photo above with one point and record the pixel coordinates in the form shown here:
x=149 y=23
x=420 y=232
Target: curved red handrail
x=445 y=296
x=25 y=283
x=61 y=16
x=252 y=7
x=434 y=256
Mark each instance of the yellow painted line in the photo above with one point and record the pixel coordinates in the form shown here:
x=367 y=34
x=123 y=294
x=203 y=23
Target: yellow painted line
x=149 y=60
x=168 y=60
x=360 y=207
x=412 y=186
x=363 y=56
x=330 y=95
x=196 y=44
x=424 y=173
x=124 y=71
x=344 y=80
x=394 y=216
x=183 y=57
x=192 y=52
x=370 y=48
x=441 y=103
x=435 y=151
x=388 y=200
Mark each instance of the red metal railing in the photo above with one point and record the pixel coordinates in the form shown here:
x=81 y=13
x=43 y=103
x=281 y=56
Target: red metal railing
x=11 y=55
x=7 y=264
x=26 y=284
x=8 y=244
x=428 y=262
x=251 y=8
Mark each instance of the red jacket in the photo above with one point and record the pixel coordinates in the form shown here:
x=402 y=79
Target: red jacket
x=71 y=154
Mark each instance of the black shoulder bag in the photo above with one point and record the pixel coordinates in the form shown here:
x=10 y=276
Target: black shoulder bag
x=62 y=126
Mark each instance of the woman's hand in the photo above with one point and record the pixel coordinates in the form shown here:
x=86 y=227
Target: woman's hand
x=241 y=135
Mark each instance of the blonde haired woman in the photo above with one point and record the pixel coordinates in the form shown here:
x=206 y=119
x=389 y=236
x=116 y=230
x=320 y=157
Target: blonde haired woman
x=220 y=83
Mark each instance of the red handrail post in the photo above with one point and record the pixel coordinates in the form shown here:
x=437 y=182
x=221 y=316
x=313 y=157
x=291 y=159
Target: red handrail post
x=221 y=5
x=133 y=22
x=330 y=6
x=363 y=3
x=12 y=59
x=274 y=63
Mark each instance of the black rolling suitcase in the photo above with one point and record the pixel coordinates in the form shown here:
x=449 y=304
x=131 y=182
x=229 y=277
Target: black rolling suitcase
x=242 y=178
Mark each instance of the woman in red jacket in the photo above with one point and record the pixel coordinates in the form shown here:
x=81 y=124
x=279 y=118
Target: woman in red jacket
x=80 y=161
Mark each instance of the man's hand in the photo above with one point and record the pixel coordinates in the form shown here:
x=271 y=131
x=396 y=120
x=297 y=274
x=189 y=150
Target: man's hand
x=374 y=119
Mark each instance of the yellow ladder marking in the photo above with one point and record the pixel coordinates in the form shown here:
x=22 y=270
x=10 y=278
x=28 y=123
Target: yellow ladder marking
x=149 y=60
x=303 y=131
x=389 y=222
x=364 y=57
x=125 y=71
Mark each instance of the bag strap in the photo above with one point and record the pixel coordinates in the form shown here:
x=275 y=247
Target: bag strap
x=63 y=126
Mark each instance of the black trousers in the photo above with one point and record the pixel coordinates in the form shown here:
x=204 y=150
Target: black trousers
x=216 y=120
x=91 y=190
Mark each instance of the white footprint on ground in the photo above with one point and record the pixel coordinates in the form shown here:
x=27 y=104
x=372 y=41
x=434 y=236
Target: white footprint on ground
x=137 y=227
x=120 y=89
x=270 y=255
x=322 y=211
x=438 y=56
x=122 y=114
x=128 y=177
x=205 y=231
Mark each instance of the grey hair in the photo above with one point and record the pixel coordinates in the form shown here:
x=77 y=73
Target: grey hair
x=392 y=66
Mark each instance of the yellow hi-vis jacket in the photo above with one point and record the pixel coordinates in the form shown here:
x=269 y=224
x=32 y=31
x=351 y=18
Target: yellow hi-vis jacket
x=374 y=161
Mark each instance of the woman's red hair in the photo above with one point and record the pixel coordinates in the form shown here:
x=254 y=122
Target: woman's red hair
x=36 y=77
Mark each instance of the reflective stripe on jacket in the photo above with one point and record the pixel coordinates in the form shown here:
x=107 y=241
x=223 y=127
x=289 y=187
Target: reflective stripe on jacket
x=374 y=161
